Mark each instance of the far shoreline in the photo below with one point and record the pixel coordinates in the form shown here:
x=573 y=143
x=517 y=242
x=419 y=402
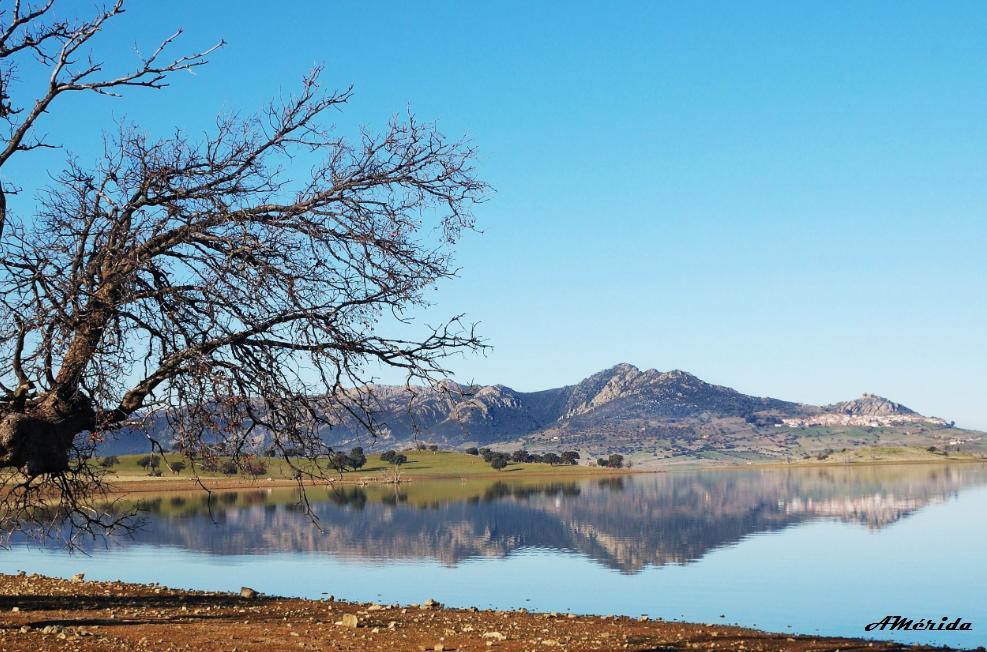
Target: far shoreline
x=128 y=485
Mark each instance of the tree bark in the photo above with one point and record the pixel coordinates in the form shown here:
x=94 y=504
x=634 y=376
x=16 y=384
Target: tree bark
x=38 y=439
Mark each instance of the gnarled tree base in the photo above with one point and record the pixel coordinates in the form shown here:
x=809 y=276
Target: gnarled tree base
x=38 y=439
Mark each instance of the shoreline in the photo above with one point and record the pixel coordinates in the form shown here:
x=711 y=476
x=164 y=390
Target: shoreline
x=816 y=464
x=43 y=613
x=122 y=486
x=138 y=484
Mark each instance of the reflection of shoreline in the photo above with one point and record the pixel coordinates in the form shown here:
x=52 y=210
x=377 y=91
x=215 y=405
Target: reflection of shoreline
x=626 y=523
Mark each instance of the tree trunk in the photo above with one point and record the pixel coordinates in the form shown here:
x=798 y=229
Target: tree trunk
x=38 y=438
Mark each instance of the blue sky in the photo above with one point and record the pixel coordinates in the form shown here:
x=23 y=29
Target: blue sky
x=787 y=198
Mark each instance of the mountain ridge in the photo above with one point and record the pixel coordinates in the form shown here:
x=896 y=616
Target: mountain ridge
x=622 y=408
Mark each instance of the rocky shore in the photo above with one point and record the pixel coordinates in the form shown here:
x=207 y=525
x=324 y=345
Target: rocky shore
x=41 y=613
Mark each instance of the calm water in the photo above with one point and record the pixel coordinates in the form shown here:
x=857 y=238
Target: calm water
x=811 y=550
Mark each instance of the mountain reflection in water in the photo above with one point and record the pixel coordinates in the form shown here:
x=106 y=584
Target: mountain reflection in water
x=625 y=523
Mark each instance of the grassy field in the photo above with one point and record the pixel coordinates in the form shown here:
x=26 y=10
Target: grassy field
x=420 y=464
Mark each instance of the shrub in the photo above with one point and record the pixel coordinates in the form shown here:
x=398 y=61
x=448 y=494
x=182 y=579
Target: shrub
x=472 y=450
x=551 y=458
x=177 y=467
x=254 y=466
x=616 y=460
x=228 y=468
x=109 y=461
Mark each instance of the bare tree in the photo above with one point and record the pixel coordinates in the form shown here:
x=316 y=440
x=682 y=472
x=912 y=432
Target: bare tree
x=195 y=281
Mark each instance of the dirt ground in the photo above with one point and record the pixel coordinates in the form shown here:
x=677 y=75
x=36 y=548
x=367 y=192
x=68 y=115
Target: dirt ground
x=39 y=613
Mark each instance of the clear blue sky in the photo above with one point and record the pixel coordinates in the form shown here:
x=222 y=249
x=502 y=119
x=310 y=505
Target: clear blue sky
x=787 y=198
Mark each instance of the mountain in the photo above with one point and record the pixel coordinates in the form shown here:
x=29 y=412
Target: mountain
x=869 y=405
x=667 y=414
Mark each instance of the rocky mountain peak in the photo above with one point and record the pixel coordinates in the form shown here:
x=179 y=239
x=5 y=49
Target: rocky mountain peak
x=869 y=405
x=621 y=407
x=600 y=388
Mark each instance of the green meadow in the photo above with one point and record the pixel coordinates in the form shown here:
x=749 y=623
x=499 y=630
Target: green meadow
x=420 y=464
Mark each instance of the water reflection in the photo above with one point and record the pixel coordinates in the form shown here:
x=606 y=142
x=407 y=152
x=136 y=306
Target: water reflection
x=625 y=523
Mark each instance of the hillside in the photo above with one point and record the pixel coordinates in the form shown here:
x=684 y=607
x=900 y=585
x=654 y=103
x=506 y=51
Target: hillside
x=651 y=414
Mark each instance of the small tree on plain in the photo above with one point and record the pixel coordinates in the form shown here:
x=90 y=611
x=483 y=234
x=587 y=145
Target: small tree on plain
x=339 y=461
x=149 y=462
x=570 y=457
x=253 y=466
x=397 y=460
x=357 y=458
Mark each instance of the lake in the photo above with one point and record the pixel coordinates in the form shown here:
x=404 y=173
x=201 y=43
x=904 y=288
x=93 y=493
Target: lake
x=807 y=550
